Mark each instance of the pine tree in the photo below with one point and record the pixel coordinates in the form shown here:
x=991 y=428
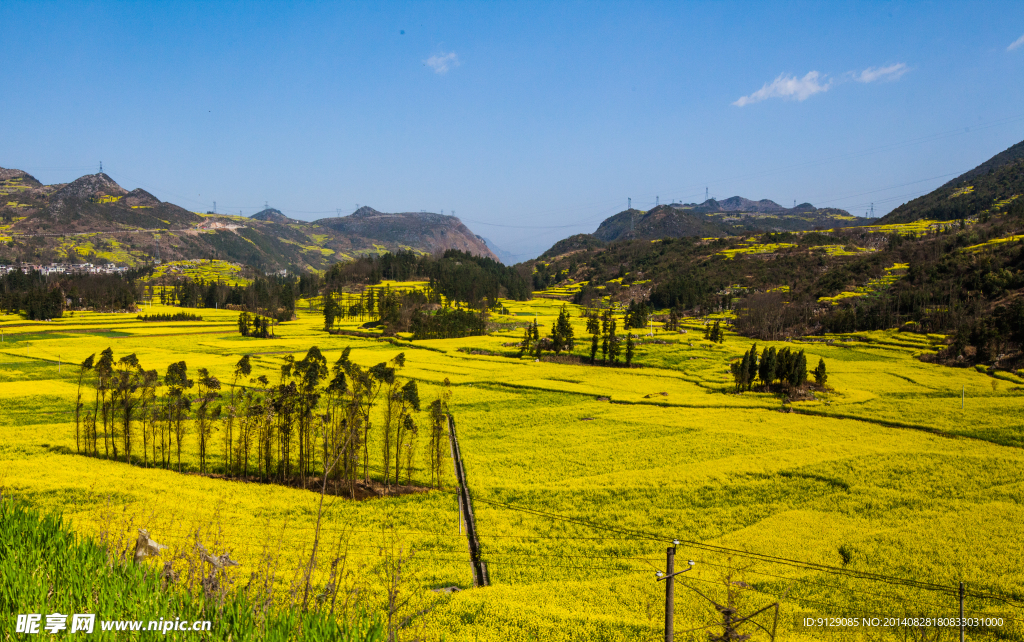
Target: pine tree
x=614 y=343
x=562 y=333
x=820 y=376
x=752 y=366
x=798 y=375
x=783 y=365
x=629 y=350
x=766 y=372
x=593 y=350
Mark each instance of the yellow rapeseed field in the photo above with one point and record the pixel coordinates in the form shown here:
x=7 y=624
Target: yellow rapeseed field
x=581 y=476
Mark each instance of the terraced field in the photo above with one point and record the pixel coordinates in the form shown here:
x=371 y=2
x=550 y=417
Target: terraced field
x=581 y=477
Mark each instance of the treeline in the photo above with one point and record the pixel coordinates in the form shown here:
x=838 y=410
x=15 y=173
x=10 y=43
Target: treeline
x=272 y=296
x=174 y=316
x=447 y=323
x=40 y=296
x=455 y=275
x=318 y=420
x=417 y=311
x=381 y=304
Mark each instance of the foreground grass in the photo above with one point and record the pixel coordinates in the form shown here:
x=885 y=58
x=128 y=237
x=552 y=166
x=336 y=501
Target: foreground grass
x=45 y=569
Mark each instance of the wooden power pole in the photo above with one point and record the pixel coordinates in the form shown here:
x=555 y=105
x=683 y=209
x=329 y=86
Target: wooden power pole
x=670 y=593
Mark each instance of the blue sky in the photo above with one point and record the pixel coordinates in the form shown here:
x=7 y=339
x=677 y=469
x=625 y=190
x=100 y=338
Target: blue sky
x=531 y=121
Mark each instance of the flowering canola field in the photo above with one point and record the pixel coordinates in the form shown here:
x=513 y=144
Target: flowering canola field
x=581 y=477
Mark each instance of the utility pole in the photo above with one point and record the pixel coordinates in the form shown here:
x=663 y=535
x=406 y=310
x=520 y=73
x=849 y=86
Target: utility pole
x=961 y=612
x=670 y=590
x=670 y=593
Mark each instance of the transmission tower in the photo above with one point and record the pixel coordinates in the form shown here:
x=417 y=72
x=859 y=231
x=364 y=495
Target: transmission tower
x=705 y=193
x=101 y=167
x=657 y=201
x=872 y=210
x=629 y=203
x=339 y=212
x=215 y=207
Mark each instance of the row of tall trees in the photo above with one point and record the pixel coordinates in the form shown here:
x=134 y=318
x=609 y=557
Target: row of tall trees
x=273 y=296
x=457 y=275
x=604 y=336
x=42 y=296
x=782 y=368
x=253 y=325
x=343 y=420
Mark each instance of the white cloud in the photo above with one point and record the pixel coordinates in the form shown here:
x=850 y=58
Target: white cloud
x=789 y=87
x=871 y=74
x=441 y=63
x=1016 y=43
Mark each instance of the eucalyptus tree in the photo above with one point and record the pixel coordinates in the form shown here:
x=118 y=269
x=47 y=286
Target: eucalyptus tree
x=386 y=381
x=150 y=381
x=104 y=370
x=407 y=430
x=83 y=368
x=206 y=415
x=438 y=410
x=178 y=403
x=335 y=437
x=242 y=370
x=127 y=380
x=308 y=374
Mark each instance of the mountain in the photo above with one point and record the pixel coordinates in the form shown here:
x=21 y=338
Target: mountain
x=424 y=231
x=712 y=218
x=1005 y=157
x=93 y=219
x=986 y=189
x=273 y=216
x=740 y=204
x=503 y=255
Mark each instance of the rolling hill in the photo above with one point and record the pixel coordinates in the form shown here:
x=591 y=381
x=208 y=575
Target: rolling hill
x=93 y=219
x=986 y=189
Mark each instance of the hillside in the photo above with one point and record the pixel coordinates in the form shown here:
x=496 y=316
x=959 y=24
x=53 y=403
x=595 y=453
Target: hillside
x=712 y=218
x=964 y=280
x=95 y=220
x=986 y=189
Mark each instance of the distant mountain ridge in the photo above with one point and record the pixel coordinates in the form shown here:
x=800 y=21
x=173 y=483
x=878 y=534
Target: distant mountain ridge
x=714 y=218
x=94 y=219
